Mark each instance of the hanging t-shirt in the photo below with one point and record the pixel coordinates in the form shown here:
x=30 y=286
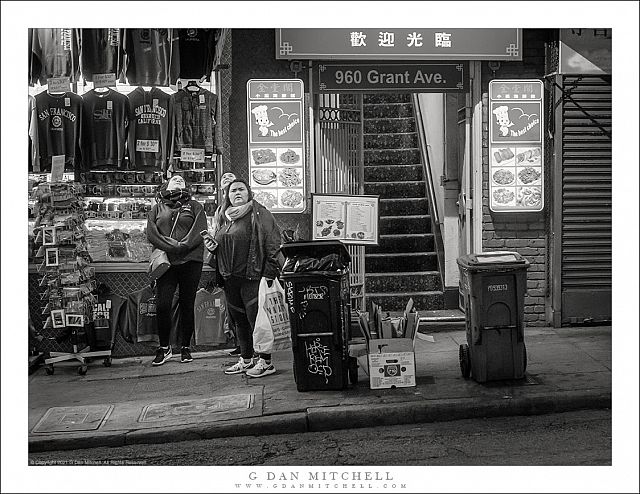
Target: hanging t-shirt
x=142 y=324
x=195 y=113
x=56 y=53
x=150 y=128
x=152 y=56
x=197 y=48
x=57 y=130
x=109 y=311
x=104 y=128
x=101 y=52
x=209 y=314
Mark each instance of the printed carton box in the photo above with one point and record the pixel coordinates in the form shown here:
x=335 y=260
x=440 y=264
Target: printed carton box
x=391 y=362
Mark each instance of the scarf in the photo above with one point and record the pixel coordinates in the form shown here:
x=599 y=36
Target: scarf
x=173 y=198
x=234 y=213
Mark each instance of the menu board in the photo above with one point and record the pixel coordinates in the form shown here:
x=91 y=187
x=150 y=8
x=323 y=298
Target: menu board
x=516 y=145
x=275 y=123
x=351 y=219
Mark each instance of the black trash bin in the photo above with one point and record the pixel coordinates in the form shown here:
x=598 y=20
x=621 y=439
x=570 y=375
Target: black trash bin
x=316 y=285
x=492 y=285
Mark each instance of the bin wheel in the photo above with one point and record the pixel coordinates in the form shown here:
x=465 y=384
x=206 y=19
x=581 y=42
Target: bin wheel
x=82 y=370
x=353 y=370
x=465 y=360
x=49 y=369
x=524 y=359
x=107 y=362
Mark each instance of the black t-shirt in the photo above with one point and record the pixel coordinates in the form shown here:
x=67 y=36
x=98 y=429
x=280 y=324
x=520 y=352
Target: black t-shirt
x=196 y=53
x=234 y=240
x=101 y=52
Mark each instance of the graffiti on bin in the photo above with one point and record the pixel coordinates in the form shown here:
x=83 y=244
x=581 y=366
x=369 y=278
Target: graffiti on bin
x=318 y=357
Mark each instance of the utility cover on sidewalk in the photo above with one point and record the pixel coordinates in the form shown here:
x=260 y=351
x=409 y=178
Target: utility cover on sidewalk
x=72 y=419
x=156 y=412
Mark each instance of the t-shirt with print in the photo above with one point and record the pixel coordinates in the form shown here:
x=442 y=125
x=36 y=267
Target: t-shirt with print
x=197 y=48
x=209 y=315
x=56 y=53
x=150 y=133
x=152 y=56
x=105 y=121
x=101 y=52
x=57 y=131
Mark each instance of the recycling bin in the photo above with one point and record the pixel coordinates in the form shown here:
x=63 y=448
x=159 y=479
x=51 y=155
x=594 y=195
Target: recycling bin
x=492 y=286
x=316 y=284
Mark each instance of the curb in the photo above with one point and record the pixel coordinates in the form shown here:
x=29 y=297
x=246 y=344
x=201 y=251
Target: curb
x=317 y=419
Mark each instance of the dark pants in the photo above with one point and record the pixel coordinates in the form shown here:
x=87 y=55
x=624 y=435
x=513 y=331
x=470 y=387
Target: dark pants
x=242 y=304
x=185 y=276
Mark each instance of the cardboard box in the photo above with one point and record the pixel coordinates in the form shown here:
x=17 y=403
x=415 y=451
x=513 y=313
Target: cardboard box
x=392 y=363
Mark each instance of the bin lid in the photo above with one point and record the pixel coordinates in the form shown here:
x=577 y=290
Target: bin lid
x=316 y=249
x=502 y=259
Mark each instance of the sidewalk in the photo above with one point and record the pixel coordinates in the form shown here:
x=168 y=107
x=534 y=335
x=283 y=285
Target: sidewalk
x=133 y=402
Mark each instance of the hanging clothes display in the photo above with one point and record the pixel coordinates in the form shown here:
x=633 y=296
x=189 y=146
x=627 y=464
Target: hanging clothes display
x=197 y=47
x=104 y=128
x=109 y=316
x=195 y=112
x=57 y=130
x=152 y=56
x=55 y=54
x=101 y=52
x=150 y=128
x=209 y=312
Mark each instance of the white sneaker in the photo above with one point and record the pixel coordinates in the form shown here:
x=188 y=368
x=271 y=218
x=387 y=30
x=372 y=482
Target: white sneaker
x=261 y=369
x=239 y=367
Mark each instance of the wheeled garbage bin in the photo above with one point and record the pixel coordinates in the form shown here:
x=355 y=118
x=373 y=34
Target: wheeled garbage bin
x=316 y=285
x=492 y=285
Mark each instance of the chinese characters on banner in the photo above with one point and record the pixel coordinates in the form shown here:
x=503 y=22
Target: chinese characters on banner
x=516 y=146
x=275 y=123
x=399 y=43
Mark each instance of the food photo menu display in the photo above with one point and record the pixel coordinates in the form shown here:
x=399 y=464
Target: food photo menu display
x=276 y=148
x=351 y=219
x=516 y=148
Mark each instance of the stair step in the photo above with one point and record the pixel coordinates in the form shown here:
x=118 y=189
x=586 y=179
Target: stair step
x=409 y=156
x=389 y=125
x=391 y=141
x=383 y=98
x=432 y=321
x=402 y=206
x=395 y=173
x=414 y=189
x=397 y=301
x=400 y=262
x=404 y=224
x=378 y=110
x=395 y=243
x=408 y=282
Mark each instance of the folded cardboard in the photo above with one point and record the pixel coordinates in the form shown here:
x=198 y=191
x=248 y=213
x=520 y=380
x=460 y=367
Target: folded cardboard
x=392 y=363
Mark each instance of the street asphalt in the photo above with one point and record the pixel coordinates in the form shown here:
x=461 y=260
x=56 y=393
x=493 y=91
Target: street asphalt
x=133 y=402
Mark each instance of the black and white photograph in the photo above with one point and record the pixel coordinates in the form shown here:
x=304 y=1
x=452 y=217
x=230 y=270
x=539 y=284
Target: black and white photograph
x=320 y=246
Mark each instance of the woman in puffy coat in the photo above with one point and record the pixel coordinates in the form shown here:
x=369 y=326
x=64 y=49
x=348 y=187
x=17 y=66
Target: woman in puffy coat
x=183 y=245
x=248 y=243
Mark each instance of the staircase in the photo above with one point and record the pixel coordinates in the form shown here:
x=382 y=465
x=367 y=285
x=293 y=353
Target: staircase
x=404 y=265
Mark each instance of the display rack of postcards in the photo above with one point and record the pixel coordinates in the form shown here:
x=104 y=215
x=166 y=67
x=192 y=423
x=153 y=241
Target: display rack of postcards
x=67 y=278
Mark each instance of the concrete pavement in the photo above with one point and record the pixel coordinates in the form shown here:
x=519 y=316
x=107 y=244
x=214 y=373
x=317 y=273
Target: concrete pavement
x=133 y=402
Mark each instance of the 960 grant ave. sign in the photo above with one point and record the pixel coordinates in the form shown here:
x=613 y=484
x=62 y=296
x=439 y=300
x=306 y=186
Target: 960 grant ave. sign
x=418 y=77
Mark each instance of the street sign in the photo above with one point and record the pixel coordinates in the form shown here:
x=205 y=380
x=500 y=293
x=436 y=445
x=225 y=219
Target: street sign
x=412 y=77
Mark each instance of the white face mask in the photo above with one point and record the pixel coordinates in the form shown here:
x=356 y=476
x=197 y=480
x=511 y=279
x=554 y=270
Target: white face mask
x=176 y=182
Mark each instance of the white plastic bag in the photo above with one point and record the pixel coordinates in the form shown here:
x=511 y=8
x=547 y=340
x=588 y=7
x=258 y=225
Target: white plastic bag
x=272 y=330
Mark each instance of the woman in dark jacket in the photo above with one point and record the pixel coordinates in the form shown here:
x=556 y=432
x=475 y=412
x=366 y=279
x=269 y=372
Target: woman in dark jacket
x=248 y=241
x=183 y=245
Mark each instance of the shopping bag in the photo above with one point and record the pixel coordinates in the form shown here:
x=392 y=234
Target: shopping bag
x=272 y=331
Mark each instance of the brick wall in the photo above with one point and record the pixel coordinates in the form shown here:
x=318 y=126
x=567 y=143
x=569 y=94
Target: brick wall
x=525 y=233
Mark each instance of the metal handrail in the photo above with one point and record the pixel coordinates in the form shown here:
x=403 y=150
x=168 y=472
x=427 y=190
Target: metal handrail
x=430 y=187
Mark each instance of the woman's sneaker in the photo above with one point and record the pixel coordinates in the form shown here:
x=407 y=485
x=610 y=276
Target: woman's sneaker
x=185 y=355
x=162 y=355
x=261 y=369
x=239 y=367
